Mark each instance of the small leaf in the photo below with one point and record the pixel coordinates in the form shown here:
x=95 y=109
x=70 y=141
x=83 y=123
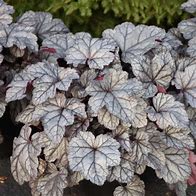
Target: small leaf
x=156 y=160
x=167 y=112
x=53 y=183
x=92 y=156
x=139 y=144
x=24 y=161
x=31 y=114
x=58 y=113
x=55 y=152
x=186 y=81
x=94 y=52
x=107 y=119
x=121 y=134
x=134 y=188
x=124 y=172
x=74 y=178
x=179 y=187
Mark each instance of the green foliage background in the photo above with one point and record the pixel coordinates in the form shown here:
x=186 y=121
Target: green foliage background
x=96 y=15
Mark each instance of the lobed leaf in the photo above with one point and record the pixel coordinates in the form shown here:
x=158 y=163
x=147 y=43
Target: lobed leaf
x=168 y=112
x=134 y=40
x=92 y=156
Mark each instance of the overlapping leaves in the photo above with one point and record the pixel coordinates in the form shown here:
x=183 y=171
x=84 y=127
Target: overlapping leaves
x=115 y=93
x=100 y=108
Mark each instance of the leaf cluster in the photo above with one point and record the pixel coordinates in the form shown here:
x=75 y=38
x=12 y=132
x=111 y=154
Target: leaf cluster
x=100 y=109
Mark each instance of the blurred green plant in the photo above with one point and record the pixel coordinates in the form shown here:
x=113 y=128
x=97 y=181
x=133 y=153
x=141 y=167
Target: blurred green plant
x=96 y=15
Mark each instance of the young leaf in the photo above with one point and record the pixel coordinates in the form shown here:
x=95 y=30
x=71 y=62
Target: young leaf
x=134 y=40
x=134 y=188
x=92 y=156
x=124 y=172
x=168 y=112
x=107 y=119
x=58 y=113
x=139 y=144
x=43 y=24
x=54 y=151
x=53 y=183
x=177 y=138
x=78 y=126
x=121 y=134
x=110 y=92
x=140 y=116
x=5 y=12
x=189 y=6
x=49 y=78
x=94 y=52
x=177 y=167
x=157 y=71
x=31 y=114
x=24 y=161
x=18 y=35
x=74 y=178
x=186 y=81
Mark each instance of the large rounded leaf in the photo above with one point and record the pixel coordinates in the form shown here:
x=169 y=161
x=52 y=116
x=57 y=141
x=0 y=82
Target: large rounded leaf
x=24 y=160
x=94 y=52
x=92 y=156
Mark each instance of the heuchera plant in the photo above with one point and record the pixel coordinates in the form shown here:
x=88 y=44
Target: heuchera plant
x=99 y=108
